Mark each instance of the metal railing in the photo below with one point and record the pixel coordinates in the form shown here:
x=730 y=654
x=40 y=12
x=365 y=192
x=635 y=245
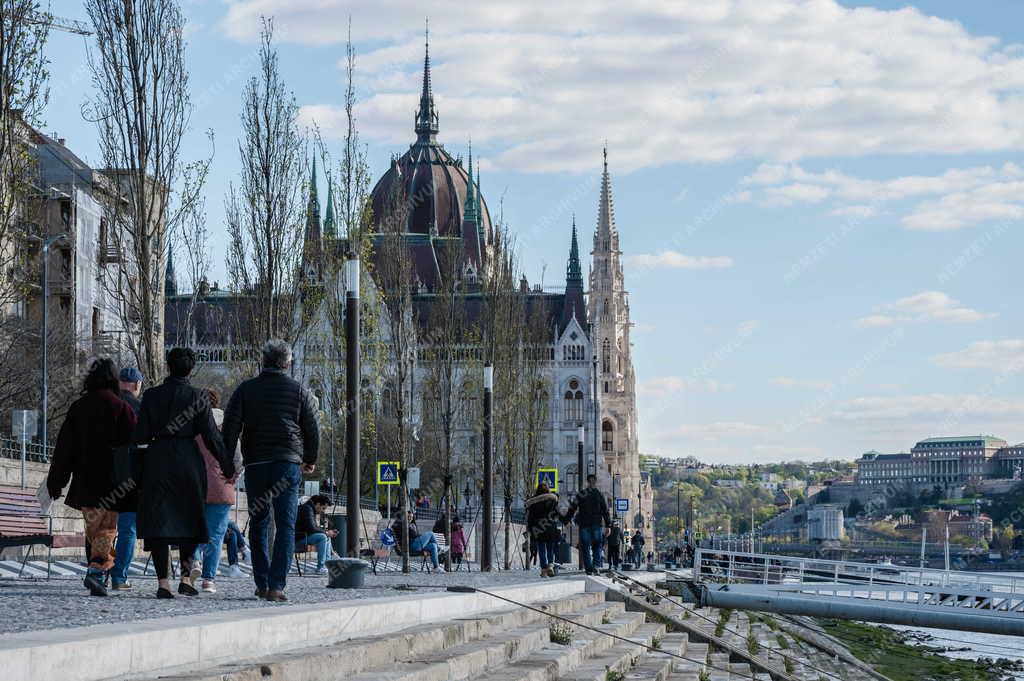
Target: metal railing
x=740 y=567
x=11 y=449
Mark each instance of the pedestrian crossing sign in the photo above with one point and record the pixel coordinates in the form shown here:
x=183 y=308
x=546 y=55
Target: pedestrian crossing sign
x=621 y=505
x=549 y=476
x=387 y=472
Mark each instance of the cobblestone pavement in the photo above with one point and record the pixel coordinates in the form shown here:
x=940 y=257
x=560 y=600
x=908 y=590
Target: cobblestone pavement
x=34 y=604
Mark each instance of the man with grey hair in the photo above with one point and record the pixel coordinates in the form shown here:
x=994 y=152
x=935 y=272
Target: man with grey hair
x=277 y=422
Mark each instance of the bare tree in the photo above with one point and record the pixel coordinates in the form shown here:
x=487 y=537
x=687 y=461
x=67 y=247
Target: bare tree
x=23 y=95
x=265 y=210
x=448 y=350
x=142 y=108
x=395 y=278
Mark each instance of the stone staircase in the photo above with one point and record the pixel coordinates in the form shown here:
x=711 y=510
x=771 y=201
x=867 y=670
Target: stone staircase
x=517 y=644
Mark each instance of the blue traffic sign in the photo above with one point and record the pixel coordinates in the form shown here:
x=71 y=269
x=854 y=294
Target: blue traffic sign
x=387 y=473
x=548 y=476
x=622 y=505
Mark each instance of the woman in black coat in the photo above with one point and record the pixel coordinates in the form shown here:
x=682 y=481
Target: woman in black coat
x=543 y=523
x=172 y=501
x=96 y=424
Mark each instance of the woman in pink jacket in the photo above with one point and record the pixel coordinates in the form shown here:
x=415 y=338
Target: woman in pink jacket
x=220 y=496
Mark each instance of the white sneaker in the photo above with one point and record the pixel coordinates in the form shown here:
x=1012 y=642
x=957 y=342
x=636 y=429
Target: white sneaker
x=438 y=569
x=197 y=572
x=247 y=555
x=208 y=587
x=321 y=570
x=235 y=572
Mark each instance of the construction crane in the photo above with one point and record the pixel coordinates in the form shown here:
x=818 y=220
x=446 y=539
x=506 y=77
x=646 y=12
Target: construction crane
x=60 y=23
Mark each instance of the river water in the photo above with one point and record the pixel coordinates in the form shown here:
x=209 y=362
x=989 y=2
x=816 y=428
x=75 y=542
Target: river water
x=977 y=645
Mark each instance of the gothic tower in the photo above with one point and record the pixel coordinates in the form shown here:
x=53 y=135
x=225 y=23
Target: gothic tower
x=608 y=305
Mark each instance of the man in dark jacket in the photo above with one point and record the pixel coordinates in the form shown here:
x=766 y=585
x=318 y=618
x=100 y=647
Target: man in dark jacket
x=638 y=548
x=590 y=508
x=277 y=421
x=308 y=531
x=615 y=546
x=130 y=380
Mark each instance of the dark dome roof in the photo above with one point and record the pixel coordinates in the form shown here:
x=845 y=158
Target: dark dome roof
x=431 y=191
x=432 y=186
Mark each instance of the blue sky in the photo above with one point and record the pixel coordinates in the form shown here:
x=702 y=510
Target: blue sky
x=819 y=202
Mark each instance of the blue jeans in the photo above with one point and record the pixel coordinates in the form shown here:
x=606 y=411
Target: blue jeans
x=235 y=542
x=546 y=552
x=273 y=485
x=322 y=543
x=216 y=526
x=124 y=548
x=425 y=542
x=591 y=543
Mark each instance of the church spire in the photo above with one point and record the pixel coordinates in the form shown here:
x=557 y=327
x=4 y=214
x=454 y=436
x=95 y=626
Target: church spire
x=574 y=306
x=330 y=231
x=606 y=210
x=470 y=213
x=426 y=116
x=170 y=281
x=573 y=272
x=313 y=207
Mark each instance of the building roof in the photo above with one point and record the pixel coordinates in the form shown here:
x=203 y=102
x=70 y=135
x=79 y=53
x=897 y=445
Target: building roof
x=987 y=439
x=433 y=196
x=878 y=456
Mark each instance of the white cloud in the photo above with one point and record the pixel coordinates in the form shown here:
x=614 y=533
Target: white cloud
x=1004 y=355
x=678 y=261
x=936 y=407
x=721 y=429
x=927 y=306
x=955 y=199
x=668 y=82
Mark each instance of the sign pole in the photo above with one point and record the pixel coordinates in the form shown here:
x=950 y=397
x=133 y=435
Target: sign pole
x=23 y=456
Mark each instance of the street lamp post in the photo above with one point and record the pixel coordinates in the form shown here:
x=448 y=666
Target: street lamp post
x=579 y=479
x=45 y=377
x=486 y=557
x=352 y=385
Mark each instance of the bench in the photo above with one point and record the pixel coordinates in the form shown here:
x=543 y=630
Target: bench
x=22 y=524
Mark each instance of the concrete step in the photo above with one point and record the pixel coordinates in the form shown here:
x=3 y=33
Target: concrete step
x=621 y=657
x=653 y=666
x=354 y=657
x=553 y=662
x=697 y=654
x=492 y=651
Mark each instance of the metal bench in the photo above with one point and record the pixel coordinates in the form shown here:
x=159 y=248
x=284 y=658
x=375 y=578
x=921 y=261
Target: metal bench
x=22 y=524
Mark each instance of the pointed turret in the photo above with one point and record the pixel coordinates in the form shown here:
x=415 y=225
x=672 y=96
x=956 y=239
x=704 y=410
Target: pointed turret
x=330 y=231
x=170 y=281
x=606 y=210
x=311 y=260
x=471 y=219
x=426 y=116
x=574 y=306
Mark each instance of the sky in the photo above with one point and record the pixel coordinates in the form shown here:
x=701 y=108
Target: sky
x=819 y=203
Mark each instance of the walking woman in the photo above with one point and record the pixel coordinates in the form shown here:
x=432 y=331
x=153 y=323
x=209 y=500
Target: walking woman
x=543 y=523
x=172 y=502
x=95 y=425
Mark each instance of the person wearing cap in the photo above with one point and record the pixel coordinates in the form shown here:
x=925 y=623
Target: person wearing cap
x=130 y=383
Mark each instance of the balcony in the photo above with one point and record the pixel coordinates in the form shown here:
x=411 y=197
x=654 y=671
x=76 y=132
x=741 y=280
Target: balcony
x=109 y=254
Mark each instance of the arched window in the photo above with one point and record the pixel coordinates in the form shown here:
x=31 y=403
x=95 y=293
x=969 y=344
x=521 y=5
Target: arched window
x=389 y=405
x=607 y=436
x=604 y=311
x=606 y=356
x=573 y=402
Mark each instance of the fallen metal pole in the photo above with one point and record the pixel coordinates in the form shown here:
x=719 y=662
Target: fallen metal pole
x=959 y=619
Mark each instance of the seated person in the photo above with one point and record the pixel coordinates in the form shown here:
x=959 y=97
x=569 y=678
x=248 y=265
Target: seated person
x=418 y=542
x=236 y=544
x=309 y=533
